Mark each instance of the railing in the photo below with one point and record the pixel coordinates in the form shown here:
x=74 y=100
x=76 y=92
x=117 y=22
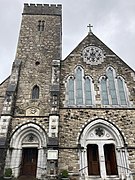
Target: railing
x=83 y=168
x=128 y=169
x=41 y=168
x=17 y=166
x=83 y=175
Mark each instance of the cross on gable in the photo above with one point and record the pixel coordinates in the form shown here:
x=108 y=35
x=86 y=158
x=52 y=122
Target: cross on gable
x=89 y=26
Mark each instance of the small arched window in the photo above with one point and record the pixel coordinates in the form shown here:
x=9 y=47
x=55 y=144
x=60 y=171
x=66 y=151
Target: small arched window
x=35 y=92
x=41 y=25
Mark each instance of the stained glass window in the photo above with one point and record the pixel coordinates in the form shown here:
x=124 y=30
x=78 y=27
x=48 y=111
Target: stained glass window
x=113 y=91
x=121 y=92
x=71 y=91
x=88 y=93
x=112 y=88
x=79 y=90
x=104 y=92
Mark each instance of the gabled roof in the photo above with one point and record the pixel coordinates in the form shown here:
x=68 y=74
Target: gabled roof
x=92 y=40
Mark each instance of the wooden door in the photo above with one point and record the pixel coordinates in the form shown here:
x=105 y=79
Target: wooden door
x=29 y=161
x=110 y=159
x=93 y=159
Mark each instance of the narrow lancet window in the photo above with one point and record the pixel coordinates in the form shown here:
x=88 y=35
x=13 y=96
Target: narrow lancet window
x=121 y=92
x=104 y=93
x=79 y=91
x=35 y=92
x=71 y=91
x=112 y=88
x=41 y=25
x=88 y=94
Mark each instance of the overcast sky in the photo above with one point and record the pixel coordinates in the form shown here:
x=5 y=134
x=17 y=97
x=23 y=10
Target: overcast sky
x=113 y=22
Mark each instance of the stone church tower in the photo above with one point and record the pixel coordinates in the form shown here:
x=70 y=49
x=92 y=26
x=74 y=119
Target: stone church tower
x=76 y=114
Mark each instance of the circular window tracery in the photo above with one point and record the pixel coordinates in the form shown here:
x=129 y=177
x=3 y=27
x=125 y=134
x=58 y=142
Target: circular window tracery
x=93 y=55
x=99 y=131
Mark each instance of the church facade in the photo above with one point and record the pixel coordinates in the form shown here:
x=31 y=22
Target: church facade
x=76 y=114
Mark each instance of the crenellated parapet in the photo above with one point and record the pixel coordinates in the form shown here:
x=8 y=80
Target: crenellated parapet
x=42 y=9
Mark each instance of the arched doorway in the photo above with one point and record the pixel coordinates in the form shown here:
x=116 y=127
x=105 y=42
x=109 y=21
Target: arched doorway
x=27 y=154
x=103 y=153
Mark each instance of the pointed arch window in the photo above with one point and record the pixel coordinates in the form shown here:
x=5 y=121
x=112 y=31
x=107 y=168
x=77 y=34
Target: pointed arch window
x=41 y=25
x=35 y=92
x=71 y=91
x=122 y=94
x=111 y=86
x=113 y=89
x=80 y=89
x=104 y=92
x=88 y=91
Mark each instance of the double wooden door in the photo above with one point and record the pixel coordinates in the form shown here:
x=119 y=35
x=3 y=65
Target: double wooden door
x=29 y=161
x=94 y=161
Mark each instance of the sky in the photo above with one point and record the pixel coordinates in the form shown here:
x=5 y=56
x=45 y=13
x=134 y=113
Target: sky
x=113 y=23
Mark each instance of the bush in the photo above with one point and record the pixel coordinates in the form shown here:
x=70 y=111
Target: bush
x=8 y=172
x=64 y=174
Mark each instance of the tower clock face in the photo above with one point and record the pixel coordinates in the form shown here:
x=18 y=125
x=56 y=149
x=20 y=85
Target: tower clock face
x=93 y=55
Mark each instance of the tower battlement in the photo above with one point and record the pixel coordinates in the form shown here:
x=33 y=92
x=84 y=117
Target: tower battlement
x=42 y=9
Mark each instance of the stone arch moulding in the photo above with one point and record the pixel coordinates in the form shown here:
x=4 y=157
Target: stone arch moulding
x=102 y=132
x=109 y=126
x=21 y=138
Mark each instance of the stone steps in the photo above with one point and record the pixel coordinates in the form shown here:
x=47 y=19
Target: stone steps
x=26 y=178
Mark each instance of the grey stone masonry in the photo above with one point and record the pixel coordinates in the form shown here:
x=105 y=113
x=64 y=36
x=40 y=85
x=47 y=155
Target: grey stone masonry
x=44 y=9
x=37 y=50
x=3 y=87
x=54 y=107
x=7 y=112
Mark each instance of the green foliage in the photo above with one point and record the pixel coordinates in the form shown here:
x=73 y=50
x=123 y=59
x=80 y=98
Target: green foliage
x=8 y=172
x=64 y=174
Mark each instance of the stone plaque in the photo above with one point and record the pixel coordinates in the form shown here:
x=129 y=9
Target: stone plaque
x=52 y=154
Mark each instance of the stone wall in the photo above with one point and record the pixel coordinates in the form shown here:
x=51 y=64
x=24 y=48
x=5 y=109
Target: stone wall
x=96 y=71
x=38 y=9
x=37 y=49
x=41 y=121
x=72 y=122
x=73 y=119
x=3 y=88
